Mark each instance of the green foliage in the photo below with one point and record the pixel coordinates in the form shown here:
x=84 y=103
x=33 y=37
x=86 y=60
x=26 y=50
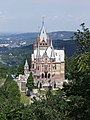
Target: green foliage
x=9 y=100
x=77 y=91
x=20 y=69
x=51 y=107
x=70 y=103
x=82 y=38
x=11 y=89
x=24 y=99
x=11 y=111
x=16 y=56
x=30 y=82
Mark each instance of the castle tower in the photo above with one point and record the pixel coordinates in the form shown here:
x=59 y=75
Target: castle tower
x=38 y=51
x=26 y=68
x=42 y=39
x=52 y=56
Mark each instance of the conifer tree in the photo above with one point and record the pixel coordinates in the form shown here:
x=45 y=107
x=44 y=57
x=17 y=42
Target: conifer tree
x=30 y=82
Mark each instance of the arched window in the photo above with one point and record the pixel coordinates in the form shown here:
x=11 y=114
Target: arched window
x=49 y=75
x=42 y=75
x=40 y=85
x=45 y=74
x=37 y=84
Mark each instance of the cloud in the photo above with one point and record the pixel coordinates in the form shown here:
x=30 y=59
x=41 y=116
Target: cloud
x=55 y=17
x=4 y=18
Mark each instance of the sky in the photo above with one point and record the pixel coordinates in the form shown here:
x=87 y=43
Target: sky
x=59 y=15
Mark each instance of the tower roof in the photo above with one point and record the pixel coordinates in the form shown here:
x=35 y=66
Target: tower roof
x=52 y=51
x=26 y=63
x=38 y=51
x=43 y=34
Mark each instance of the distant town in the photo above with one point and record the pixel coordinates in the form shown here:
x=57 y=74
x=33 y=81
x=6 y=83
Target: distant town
x=22 y=39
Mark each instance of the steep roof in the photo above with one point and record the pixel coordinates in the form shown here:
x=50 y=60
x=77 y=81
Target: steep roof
x=38 y=51
x=43 y=34
x=26 y=63
x=52 y=51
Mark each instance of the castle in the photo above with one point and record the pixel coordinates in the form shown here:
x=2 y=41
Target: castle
x=48 y=64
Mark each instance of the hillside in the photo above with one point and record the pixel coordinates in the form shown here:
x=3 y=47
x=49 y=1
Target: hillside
x=63 y=35
x=30 y=37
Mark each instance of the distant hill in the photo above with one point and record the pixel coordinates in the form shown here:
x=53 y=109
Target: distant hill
x=30 y=37
x=17 y=38
x=63 y=35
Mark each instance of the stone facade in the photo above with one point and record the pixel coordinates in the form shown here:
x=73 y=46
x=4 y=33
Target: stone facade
x=48 y=64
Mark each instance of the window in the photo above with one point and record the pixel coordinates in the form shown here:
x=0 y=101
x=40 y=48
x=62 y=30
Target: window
x=32 y=65
x=45 y=74
x=40 y=85
x=42 y=75
x=55 y=66
x=38 y=68
x=49 y=75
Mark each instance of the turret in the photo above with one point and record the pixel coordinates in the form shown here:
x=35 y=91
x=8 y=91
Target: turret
x=38 y=51
x=52 y=51
x=26 y=67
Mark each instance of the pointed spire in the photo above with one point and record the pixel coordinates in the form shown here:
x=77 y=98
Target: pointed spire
x=26 y=67
x=43 y=34
x=51 y=44
x=52 y=51
x=38 y=51
x=26 y=64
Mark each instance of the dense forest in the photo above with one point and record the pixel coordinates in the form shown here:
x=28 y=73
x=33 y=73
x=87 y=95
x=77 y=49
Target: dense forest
x=70 y=103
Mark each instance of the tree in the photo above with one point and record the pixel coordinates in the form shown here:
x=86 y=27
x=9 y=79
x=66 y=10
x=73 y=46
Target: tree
x=11 y=89
x=30 y=82
x=9 y=100
x=20 y=69
x=50 y=107
x=82 y=38
x=78 y=89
